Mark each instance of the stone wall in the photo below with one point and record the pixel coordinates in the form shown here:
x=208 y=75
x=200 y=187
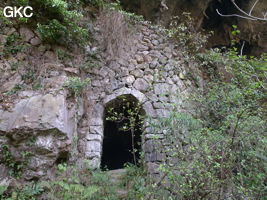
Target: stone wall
x=152 y=70
x=45 y=125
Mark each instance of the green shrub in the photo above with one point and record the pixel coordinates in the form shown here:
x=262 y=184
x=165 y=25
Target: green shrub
x=182 y=29
x=76 y=85
x=61 y=25
x=13 y=45
x=54 y=19
x=220 y=148
x=74 y=183
x=15 y=166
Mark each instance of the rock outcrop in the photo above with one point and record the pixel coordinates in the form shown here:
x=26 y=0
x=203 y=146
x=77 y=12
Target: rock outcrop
x=37 y=133
x=205 y=17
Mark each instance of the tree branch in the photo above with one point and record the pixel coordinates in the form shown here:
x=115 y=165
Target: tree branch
x=245 y=14
x=253 y=7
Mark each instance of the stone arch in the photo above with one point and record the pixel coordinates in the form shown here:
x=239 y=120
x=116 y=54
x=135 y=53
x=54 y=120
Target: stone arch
x=126 y=91
x=118 y=144
x=142 y=99
x=95 y=137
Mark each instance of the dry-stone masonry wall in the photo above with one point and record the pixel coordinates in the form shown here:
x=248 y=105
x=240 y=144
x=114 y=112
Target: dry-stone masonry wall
x=45 y=127
x=152 y=70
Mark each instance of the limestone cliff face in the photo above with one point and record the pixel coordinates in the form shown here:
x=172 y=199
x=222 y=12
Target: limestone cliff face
x=38 y=131
x=205 y=17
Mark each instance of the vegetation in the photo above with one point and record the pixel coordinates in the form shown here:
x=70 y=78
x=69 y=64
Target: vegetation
x=54 y=20
x=70 y=183
x=16 y=165
x=217 y=151
x=222 y=146
x=131 y=120
x=76 y=85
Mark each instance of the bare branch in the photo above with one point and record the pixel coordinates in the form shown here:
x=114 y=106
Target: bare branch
x=253 y=7
x=234 y=15
x=245 y=14
x=242 y=48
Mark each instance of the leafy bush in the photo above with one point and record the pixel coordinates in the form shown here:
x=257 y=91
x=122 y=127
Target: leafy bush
x=135 y=181
x=76 y=85
x=74 y=183
x=9 y=161
x=61 y=25
x=54 y=19
x=182 y=29
x=13 y=45
x=221 y=148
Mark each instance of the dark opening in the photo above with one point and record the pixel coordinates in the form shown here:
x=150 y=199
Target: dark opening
x=63 y=157
x=243 y=48
x=214 y=21
x=117 y=143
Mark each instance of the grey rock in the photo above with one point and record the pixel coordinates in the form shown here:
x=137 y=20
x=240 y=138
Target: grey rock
x=154 y=64
x=96 y=122
x=50 y=55
x=163 y=60
x=124 y=71
x=145 y=53
x=153 y=168
x=11 y=31
x=26 y=34
x=137 y=73
x=104 y=71
x=142 y=47
x=133 y=61
x=155 y=42
x=175 y=78
x=139 y=59
x=148 y=77
x=35 y=41
x=94 y=163
x=93 y=146
x=149 y=110
x=169 y=81
x=167 y=50
x=45 y=144
x=38 y=112
x=148 y=58
x=158 y=105
x=3 y=39
x=94 y=137
x=161 y=88
x=168 y=67
x=149 y=146
x=11 y=83
x=154 y=36
x=96 y=130
x=92 y=155
x=96 y=83
x=129 y=79
x=162 y=112
x=141 y=85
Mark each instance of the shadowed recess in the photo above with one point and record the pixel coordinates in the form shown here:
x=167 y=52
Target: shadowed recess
x=118 y=143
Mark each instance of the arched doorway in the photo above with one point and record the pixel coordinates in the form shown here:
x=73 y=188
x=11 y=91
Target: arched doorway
x=123 y=118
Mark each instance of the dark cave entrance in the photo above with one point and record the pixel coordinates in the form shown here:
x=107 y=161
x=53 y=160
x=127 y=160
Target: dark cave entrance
x=118 y=142
x=214 y=21
x=222 y=26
